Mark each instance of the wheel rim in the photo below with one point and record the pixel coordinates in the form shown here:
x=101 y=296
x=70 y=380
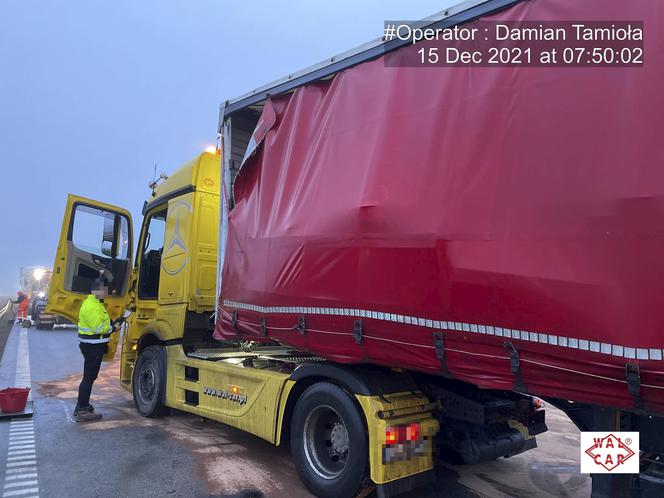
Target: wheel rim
x=147 y=381
x=326 y=442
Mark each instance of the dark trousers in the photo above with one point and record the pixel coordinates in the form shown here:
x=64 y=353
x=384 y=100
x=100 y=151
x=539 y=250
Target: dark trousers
x=92 y=354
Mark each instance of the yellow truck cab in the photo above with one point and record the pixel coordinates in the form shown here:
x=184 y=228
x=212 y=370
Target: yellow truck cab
x=349 y=426
x=172 y=278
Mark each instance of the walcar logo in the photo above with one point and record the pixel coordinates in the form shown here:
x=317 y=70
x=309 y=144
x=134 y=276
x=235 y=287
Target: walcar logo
x=216 y=393
x=610 y=452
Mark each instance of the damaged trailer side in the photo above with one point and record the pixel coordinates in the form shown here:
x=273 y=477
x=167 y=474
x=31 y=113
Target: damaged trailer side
x=500 y=227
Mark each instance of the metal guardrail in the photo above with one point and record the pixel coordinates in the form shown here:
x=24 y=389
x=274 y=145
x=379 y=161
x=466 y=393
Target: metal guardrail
x=6 y=308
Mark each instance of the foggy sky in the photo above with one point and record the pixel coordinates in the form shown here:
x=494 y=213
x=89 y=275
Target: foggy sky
x=93 y=94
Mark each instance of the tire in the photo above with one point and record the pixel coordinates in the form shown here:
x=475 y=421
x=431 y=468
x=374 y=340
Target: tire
x=49 y=326
x=329 y=442
x=149 y=382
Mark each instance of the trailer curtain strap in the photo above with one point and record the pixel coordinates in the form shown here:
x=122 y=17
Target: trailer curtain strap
x=440 y=353
x=633 y=376
x=515 y=365
x=301 y=326
x=357 y=331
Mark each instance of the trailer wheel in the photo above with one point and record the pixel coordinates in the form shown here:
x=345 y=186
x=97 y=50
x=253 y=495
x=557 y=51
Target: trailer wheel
x=149 y=382
x=329 y=441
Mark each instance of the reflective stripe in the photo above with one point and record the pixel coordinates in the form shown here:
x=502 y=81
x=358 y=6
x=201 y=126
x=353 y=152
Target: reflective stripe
x=522 y=335
x=98 y=331
x=94 y=341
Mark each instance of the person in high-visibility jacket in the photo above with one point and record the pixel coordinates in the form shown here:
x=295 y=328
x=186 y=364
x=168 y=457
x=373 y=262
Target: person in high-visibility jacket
x=23 y=302
x=94 y=331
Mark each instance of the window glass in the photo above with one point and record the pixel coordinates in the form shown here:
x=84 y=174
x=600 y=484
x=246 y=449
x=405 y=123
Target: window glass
x=100 y=232
x=150 y=262
x=123 y=244
x=156 y=232
x=101 y=250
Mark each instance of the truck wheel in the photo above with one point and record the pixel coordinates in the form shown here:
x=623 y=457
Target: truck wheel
x=149 y=382
x=329 y=441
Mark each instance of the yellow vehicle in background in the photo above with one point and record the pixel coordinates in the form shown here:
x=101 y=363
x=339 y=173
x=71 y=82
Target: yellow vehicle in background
x=349 y=426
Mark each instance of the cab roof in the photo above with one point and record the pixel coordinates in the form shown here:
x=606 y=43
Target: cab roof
x=201 y=173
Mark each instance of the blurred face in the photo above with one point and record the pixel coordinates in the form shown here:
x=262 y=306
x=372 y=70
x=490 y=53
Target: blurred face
x=100 y=293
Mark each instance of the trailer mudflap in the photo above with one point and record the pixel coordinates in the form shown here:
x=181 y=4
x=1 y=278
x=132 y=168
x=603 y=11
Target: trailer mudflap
x=401 y=431
x=406 y=484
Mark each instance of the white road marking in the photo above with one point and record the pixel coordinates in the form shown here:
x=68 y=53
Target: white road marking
x=19 y=484
x=19 y=492
x=21 y=466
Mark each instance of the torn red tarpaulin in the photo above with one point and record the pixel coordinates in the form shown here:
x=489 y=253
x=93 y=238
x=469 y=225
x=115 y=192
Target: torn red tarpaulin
x=492 y=205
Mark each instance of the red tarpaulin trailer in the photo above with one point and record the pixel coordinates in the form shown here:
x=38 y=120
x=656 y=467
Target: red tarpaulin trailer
x=503 y=225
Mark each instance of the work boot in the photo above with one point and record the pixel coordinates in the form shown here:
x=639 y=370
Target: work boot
x=90 y=408
x=87 y=416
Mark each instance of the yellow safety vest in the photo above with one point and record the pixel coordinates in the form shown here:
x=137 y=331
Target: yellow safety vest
x=94 y=325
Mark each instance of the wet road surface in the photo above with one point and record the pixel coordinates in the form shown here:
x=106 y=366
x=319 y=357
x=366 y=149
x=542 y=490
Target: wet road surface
x=183 y=455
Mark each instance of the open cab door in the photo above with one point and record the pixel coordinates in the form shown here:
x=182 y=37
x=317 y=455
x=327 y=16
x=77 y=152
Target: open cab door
x=96 y=239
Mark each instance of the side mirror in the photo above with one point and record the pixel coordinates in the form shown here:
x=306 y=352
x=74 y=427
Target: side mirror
x=107 y=248
x=108 y=238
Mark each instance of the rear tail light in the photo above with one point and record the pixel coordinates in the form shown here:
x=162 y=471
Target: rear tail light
x=402 y=433
x=413 y=432
x=391 y=435
x=403 y=442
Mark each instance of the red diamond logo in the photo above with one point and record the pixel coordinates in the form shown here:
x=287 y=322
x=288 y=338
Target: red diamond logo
x=610 y=451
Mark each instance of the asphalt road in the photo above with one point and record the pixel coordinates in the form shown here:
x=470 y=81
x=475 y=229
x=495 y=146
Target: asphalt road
x=183 y=455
